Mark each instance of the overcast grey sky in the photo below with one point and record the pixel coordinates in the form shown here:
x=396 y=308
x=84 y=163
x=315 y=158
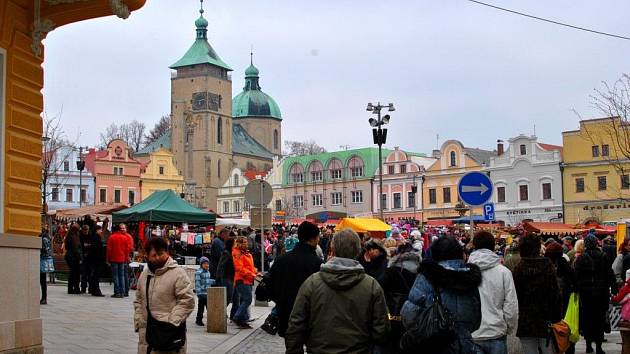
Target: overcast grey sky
x=451 y=67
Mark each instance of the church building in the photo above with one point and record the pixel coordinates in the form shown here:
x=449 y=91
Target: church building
x=212 y=133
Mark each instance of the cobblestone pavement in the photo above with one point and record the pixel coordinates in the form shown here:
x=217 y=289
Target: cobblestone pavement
x=260 y=342
x=88 y=324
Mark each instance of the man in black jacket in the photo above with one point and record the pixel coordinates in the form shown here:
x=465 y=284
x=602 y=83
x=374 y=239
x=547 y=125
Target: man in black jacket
x=216 y=249
x=290 y=270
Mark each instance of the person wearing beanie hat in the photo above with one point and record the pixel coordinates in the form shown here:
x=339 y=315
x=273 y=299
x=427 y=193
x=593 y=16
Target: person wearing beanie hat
x=203 y=281
x=291 y=269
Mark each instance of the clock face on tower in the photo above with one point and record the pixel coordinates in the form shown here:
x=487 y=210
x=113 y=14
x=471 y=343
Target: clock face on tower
x=200 y=101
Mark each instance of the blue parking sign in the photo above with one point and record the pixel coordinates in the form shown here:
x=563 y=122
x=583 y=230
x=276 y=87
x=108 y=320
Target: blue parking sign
x=488 y=211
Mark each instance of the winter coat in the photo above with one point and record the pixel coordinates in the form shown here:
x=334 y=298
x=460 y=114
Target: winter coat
x=287 y=274
x=118 y=248
x=74 y=251
x=458 y=284
x=538 y=296
x=202 y=282
x=376 y=267
x=499 y=303
x=171 y=299
x=594 y=280
x=225 y=269
x=566 y=280
x=93 y=247
x=216 y=250
x=244 y=269
x=626 y=265
x=338 y=310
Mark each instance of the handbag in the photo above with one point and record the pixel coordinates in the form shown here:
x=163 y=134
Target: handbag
x=572 y=317
x=560 y=333
x=161 y=335
x=434 y=329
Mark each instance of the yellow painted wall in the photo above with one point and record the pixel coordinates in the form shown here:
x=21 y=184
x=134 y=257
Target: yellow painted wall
x=608 y=205
x=153 y=181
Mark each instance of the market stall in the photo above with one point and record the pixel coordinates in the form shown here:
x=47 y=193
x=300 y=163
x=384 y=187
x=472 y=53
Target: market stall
x=551 y=228
x=375 y=227
x=164 y=207
x=233 y=222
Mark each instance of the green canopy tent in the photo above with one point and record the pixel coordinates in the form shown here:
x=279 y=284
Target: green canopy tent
x=164 y=206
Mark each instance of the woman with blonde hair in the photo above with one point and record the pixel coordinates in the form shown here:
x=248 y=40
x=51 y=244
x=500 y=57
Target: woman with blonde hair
x=577 y=251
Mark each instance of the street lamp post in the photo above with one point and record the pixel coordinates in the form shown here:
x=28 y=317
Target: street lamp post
x=46 y=166
x=81 y=167
x=414 y=190
x=380 y=137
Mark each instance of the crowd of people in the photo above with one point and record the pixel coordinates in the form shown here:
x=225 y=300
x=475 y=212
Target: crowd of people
x=446 y=292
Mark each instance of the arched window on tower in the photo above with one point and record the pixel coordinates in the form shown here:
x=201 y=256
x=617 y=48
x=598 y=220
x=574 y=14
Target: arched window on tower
x=219 y=168
x=235 y=182
x=219 y=131
x=453 y=161
x=275 y=139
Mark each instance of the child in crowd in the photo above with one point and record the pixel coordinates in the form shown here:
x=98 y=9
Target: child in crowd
x=202 y=282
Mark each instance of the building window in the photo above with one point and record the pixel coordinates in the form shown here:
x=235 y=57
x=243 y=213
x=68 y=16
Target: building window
x=278 y=204
x=118 y=171
x=69 y=195
x=335 y=174
x=102 y=195
x=237 y=206
x=605 y=150
x=117 y=196
x=335 y=198
x=523 y=149
x=161 y=170
x=235 y=180
x=298 y=201
x=66 y=166
x=316 y=199
x=546 y=191
x=595 y=150
x=317 y=176
x=625 y=181
x=453 y=161
x=219 y=168
x=403 y=168
x=55 y=194
x=500 y=194
x=357 y=171
x=132 y=197
x=432 y=196
x=523 y=192
x=390 y=170
x=397 y=200
x=357 y=197
x=601 y=183
x=276 y=139
x=83 y=195
x=446 y=194
x=579 y=185
x=411 y=199
x=219 y=131
x=297 y=173
x=297 y=177
x=226 y=206
x=384 y=201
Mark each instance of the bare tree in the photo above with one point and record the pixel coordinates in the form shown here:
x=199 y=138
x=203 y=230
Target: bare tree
x=56 y=151
x=301 y=148
x=131 y=133
x=160 y=128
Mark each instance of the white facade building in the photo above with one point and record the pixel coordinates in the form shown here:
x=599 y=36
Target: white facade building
x=230 y=197
x=527 y=181
x=64 y=179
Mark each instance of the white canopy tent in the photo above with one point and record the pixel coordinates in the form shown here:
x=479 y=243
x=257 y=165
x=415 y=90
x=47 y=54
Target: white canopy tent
x=233 y=222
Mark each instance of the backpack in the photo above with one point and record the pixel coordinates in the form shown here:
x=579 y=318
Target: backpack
x=434 y=329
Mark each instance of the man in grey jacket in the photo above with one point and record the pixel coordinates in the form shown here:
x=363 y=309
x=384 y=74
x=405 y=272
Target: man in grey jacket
x=499 y=304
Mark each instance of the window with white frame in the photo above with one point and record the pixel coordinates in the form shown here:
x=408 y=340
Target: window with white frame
x=298 y=201
x=546 y=190
x=69 y=195
x=66 y=166
x=102 y=195
x=411 y=199
x=237 y=206
x=235 y=180
x=55 y=194
x=226 y=206
x=131 y=194
x=397 y=200
x=357 y=171
x=118 y=171
x=335 y=174
x=523 y=192
x=116 y=195
x=335 y=198
x=357 y=197
x=316 y=199
x=317 y=176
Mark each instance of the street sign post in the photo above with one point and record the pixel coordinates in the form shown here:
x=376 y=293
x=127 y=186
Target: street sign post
x=474 y=189
x=488 y=211
x=259 y=193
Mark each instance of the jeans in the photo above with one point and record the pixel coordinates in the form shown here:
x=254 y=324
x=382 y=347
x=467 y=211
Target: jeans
x=235 y=301
x=118 y=271
x=492 y=346
x=532 y=345
x=202 y=303
x=126 y=274
x=245 y=296
x=74 y=278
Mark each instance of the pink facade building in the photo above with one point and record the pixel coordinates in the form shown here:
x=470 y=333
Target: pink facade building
x=116 y=174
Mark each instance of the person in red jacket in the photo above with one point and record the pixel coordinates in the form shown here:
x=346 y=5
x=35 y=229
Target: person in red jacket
x=123 y=229
x=118 y=250
x=244 y=274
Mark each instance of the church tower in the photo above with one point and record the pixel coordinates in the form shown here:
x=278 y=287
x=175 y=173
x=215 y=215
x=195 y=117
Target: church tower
x=201 y=112
x=258 y=113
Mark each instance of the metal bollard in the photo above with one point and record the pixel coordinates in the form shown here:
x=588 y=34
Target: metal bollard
x=217 y=313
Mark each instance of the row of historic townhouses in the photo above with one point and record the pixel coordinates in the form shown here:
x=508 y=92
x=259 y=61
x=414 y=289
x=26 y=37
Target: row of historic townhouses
x=66 y=186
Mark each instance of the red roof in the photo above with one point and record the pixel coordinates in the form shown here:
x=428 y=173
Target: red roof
x=251 y=174
x=442 y=222
x=551 y=228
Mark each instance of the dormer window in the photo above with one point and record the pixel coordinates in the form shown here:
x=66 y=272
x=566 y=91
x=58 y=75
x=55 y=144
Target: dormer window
x=523 y=149
x=453 y=160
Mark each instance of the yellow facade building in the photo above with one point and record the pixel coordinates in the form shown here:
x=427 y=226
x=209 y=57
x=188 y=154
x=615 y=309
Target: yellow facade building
x=23 y=26
x=160 y=173
x=596 y=171
x=439 y=188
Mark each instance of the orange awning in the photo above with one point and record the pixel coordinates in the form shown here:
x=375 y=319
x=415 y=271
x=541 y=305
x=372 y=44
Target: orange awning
x=551 y=228
x=440 y=222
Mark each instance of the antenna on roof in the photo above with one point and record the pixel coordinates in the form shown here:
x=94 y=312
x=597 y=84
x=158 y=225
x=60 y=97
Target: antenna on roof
x=251 y=54
x=534 y=129
x=437 y=141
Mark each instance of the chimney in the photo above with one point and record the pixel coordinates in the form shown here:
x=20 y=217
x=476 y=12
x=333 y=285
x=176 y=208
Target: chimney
x=500 y=147
x=435 y=154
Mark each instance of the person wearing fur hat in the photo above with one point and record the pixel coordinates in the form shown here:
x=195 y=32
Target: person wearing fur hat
x=203 y=281
x=595 y=278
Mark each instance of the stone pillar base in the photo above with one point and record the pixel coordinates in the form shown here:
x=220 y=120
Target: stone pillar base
x=37 y=349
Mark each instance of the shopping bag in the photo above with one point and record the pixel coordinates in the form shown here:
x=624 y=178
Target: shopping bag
x=198 y=239
x=572 y=317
